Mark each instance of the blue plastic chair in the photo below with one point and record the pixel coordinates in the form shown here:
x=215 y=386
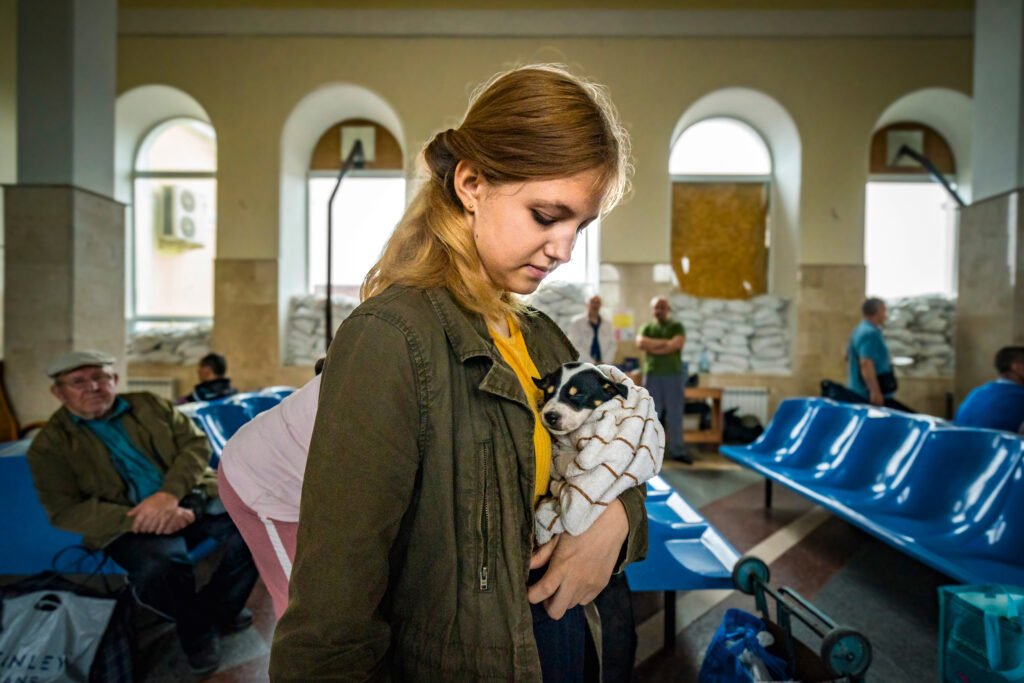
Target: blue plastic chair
x=684 y=551
x=254 y=403
x=951 y=497
x=28 y=543
x=280 y=391
x=220 y=421
x=950 y=485
x=883 y=445
x=995 y=549
x=190 y=410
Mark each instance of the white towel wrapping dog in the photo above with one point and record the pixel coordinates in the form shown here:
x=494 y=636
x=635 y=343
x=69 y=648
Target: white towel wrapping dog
x=606 y=438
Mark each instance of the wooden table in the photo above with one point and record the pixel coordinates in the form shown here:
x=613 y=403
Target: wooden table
x=714 y=434
x=714 y=394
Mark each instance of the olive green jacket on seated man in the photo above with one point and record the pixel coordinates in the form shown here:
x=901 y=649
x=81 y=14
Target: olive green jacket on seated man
x=417 y=523
x=78 y=485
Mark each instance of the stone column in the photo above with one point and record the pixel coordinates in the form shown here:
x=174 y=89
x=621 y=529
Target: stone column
x=990 y=301
x=829 y=297
x=65 y=239
x=990 y=304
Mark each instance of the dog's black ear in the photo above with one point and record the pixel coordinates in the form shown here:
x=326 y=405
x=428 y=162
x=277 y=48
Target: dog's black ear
x=539 y=381
x=614 y=388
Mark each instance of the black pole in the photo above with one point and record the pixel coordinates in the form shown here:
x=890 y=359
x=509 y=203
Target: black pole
x=936 y=175
x=354 y=160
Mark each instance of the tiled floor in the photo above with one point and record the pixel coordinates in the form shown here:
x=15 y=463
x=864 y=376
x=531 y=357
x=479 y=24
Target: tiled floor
x=852 y=577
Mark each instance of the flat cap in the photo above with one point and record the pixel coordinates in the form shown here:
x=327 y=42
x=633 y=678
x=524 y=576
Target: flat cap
x=78 y=359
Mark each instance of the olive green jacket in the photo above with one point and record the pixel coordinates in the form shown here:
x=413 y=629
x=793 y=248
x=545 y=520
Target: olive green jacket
x=416 y=518
x=78 y=484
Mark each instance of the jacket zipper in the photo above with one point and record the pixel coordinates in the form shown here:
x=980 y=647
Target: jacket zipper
x=485 y=520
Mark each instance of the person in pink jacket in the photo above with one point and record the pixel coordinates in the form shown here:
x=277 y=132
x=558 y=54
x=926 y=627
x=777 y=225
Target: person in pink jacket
x=260 y=483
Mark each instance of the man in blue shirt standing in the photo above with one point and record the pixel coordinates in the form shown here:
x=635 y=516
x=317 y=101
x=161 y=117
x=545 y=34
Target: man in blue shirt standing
x=870 y=368
x=998 y=404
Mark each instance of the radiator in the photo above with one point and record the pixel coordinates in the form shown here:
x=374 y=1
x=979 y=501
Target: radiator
x=749 y=400
x=164 y=387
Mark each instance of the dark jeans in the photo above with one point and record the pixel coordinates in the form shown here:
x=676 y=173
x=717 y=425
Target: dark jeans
x=566 y=653
x=843 y=394
x=618 y=630
x=667 y=393
x=164 y=577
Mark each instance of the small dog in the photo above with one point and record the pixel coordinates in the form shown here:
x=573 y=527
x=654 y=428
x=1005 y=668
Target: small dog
x=605 y=438
x=572 y=392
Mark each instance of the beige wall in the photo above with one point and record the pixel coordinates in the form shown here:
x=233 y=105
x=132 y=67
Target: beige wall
x=835 y=90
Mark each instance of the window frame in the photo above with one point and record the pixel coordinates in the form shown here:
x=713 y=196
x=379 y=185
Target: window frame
x=723 y=177
x=922 y=178
x=133 y=317
x=310 y=287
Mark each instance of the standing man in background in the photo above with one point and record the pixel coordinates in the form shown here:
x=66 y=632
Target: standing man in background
x=592 y=335
x=870 y=367
x=663 y=341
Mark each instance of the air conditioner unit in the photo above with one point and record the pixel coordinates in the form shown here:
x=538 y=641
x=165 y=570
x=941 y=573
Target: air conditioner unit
x=181 y=215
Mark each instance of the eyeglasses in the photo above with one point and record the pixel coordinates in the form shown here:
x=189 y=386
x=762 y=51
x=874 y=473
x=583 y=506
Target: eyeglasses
x=82 y=383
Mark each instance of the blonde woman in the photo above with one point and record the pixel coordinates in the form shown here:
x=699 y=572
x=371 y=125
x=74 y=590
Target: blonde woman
x=416 y=557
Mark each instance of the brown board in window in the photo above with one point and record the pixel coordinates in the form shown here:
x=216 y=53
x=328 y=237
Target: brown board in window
x=719 y=245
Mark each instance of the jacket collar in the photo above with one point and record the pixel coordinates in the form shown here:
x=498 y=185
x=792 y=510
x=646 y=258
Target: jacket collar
x=468 y=335
x=466 y=332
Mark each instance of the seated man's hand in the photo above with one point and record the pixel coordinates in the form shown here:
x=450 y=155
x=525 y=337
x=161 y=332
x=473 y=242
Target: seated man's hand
x=182 y=518
x=152 y=512
x=579 y=567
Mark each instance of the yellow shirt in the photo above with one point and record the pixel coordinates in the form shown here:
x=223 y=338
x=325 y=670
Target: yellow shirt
x=513 y=350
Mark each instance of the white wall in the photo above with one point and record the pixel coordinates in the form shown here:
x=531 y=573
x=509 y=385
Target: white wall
x=998 y=92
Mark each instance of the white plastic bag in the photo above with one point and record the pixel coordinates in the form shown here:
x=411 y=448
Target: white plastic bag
x=50 y=636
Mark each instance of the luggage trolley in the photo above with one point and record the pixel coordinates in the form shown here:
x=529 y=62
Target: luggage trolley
x=844 y=654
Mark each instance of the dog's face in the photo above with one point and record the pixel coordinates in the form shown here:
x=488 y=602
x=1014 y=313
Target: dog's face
x=572 y=392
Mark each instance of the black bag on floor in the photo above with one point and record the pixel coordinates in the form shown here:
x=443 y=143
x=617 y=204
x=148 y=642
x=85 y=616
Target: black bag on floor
x=740 y=429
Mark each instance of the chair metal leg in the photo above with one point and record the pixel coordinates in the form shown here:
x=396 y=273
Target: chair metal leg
x=670 y=620
x=767 y=494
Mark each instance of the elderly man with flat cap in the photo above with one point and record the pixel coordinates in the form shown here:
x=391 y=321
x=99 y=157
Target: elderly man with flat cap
x=131 y=475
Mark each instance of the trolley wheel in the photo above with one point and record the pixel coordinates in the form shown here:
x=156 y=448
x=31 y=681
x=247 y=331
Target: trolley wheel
x=744 y=571
x=846 y=652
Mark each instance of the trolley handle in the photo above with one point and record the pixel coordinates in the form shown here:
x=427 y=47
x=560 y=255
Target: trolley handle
x=805 y=604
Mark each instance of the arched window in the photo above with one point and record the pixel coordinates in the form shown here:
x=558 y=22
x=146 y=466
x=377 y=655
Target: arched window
x=721 y=174
x=174 y=183
x=368 y=205
x=909 y=216
x=720 y=147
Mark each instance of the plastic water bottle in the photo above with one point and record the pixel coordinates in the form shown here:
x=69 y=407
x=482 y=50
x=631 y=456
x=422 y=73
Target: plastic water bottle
x=704 y=362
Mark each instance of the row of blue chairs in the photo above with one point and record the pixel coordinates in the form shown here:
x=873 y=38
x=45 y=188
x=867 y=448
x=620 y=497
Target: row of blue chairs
x=949 y=496
x=220 y=419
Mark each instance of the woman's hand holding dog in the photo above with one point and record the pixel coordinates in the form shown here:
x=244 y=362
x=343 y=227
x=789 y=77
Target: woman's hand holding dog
x=579 y=567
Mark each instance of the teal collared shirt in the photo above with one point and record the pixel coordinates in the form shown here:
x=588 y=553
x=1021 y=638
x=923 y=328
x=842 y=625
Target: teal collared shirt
x=140 y=475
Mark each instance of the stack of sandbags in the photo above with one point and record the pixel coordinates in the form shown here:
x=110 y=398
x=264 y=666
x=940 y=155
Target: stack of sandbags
x=735 y=335
x=921 y=328
x=170 y=344
x=306 y=326
x=561 y=301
